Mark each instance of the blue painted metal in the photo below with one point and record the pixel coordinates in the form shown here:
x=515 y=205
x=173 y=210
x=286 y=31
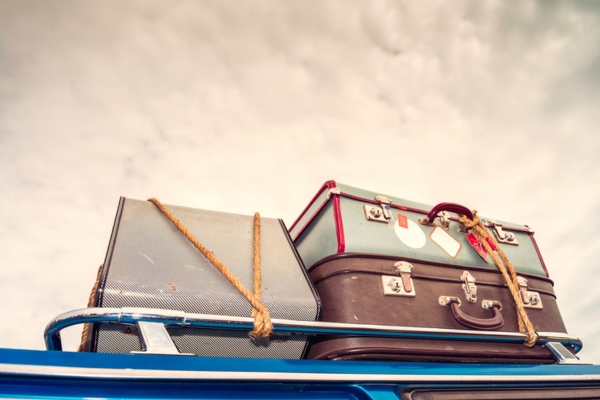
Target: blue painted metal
x=50 y=374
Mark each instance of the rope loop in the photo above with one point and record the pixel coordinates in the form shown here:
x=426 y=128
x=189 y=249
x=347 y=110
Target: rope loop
x=263 y=327
x=507 y=270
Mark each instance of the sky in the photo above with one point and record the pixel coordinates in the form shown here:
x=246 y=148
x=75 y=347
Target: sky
x=251 y=106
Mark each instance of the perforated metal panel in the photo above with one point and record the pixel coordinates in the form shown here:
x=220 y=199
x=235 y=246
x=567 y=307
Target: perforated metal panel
x=150 y=263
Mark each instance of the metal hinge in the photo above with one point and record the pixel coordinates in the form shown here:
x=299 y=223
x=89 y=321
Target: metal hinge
x=501 y=235
x=399 y=286
x=469 y=286
x=530 y=299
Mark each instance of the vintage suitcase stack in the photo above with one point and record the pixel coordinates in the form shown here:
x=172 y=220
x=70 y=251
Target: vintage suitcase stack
x=381 y=260
x=151 y=264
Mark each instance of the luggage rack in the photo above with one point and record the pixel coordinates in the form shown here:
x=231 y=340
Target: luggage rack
x=155 y=339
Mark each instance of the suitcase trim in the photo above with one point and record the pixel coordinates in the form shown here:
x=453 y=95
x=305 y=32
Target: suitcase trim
x=310 y=203
x=334 y=257
x=109 y=252
x=92 y=342
x=340 y=229
x=320 y=278
x=370 y=352
x=304 y=270
x=337 y=215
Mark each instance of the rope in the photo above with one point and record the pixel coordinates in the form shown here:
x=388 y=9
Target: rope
x=262 y=321
x=507 y=270
x=256 y=262
x=86 y=327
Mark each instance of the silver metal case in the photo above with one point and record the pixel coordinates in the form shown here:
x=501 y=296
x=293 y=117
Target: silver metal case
x=149 y=263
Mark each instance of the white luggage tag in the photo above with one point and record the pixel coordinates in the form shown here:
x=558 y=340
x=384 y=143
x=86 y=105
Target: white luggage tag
x=446 y=242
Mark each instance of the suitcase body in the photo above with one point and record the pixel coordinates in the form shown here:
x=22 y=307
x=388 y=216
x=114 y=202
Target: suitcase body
x=363 y=289
x=149 y=263
x=342 y=218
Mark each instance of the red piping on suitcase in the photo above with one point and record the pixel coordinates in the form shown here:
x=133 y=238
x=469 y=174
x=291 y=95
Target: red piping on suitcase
x=306 y=209
x=337 y=215
x=539 y=254
x=310 y=220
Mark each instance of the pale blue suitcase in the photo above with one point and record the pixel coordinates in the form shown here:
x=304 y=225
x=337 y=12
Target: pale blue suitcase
x=344 y=219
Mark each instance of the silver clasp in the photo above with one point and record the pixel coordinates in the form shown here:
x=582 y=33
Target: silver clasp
x=501 y=235
x=382 y=213
x=402 y=286
x=469 y=286
x=530 y=299
x=404 y=269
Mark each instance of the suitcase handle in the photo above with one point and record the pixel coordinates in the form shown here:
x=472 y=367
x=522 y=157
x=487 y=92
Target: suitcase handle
x=496 y=322
x=452 y=207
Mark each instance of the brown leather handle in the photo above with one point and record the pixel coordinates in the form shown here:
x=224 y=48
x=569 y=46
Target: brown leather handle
x=496 y=322
x=452 y=207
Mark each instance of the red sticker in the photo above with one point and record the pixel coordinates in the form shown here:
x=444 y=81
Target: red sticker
x=402 y=221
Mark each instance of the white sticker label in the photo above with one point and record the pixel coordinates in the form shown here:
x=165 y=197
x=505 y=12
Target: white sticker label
x=412 y=236
x=445 y=241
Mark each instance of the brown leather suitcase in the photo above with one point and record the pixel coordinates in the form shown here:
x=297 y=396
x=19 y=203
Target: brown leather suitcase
x=386 y=290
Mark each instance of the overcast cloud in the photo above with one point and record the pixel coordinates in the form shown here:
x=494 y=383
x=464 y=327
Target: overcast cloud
x=251 y=106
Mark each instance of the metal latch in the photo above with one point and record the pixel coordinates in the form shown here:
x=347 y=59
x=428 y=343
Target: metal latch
x=469 y=286
x=442 y=216
x=399 y=286
x=382 y=213
x=530 y=299
x=501 y=235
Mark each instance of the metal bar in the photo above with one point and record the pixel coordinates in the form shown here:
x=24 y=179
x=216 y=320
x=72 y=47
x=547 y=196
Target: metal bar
x=132 y=316
x=155 y=339
x=561 y=354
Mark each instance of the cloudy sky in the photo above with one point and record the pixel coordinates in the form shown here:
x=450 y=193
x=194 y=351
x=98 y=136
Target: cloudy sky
x=251 y=106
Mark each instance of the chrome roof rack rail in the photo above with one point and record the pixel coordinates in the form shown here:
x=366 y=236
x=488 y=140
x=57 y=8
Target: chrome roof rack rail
x=133 y=316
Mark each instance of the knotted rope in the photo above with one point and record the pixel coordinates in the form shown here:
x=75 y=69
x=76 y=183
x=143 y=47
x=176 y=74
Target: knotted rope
x=262 y=321
x=507 y=270
x=256 y=264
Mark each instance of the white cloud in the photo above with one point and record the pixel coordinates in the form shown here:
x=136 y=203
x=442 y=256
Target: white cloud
x=250 y=107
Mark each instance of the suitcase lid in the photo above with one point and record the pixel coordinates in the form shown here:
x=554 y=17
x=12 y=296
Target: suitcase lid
x=332 y=187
